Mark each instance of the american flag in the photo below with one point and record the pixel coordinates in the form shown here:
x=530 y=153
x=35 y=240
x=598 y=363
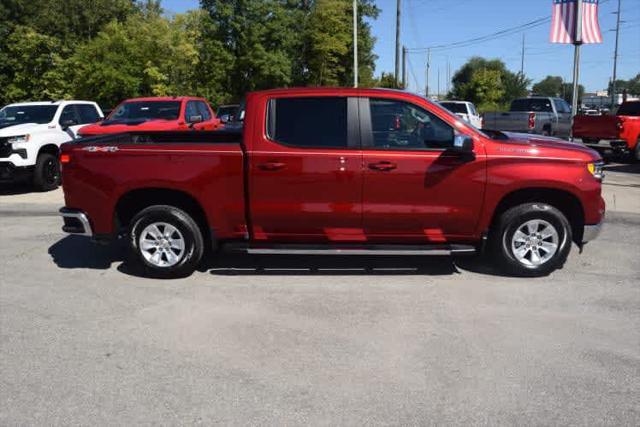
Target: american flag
x=563 y=22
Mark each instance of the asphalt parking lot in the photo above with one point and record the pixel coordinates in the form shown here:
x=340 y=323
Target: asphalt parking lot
x=288 y=341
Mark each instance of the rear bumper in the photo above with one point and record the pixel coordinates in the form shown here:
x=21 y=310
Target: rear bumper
x=10 y=172
x=76 y=222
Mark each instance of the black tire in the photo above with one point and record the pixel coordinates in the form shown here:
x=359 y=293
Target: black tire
x=46 y=176
x=502 y=248
x=188 y=232
x=590 y=141
x=636 y=152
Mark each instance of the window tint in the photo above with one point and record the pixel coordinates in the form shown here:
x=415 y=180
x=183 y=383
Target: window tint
x=192 y=110
x=473 y=109
x=531 y=104
x=17 y=114
x=204 y=111
x=88 y=113
x=308 y=122
x=399 y=125
x=629 y=109
x=561 y=106
x=68 y=113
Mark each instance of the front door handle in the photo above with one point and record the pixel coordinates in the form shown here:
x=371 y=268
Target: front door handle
x=383 y=166
x=272 y=166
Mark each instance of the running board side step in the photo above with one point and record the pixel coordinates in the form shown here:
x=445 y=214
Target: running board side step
x=346 y=249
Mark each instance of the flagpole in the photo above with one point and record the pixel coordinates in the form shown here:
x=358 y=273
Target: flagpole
x=577 y=41
x=355 y=43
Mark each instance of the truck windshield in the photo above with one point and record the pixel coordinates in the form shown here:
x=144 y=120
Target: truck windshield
x=629 y=109
x=146 y=110
x=532 y=104
x=455 y=107
x=18 y=114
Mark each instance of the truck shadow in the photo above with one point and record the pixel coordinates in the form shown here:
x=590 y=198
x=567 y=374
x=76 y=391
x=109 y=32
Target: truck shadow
x=77 y=252
x=17 y=189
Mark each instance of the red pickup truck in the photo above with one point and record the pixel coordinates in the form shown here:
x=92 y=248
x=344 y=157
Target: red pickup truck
x=156 y=114
x=335 y=171
x=622 y=130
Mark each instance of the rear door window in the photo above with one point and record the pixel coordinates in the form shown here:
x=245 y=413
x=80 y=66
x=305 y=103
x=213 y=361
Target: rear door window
x=88 y=113
x=308 y=122
x=532 y=104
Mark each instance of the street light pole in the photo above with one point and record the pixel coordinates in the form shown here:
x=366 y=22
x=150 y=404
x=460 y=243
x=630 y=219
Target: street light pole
x=577 y=41
x=355 y=43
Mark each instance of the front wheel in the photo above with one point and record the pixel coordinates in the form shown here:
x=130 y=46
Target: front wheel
x=166 y=242
x=532 y=239
x=47 y=172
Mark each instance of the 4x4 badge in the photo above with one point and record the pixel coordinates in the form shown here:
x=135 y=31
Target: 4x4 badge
x=94 y=149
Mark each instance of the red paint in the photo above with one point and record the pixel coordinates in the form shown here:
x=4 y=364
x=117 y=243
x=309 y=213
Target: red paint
x=180 y=123
x=619 y=127
x=324 y=195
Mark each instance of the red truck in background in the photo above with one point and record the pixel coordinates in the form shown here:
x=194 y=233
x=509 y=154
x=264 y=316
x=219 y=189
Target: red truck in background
x=321 y=171
x=156 y=114
x=622 y=130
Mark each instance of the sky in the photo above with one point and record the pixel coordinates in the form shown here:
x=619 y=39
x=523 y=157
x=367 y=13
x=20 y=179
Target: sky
x=428 y=23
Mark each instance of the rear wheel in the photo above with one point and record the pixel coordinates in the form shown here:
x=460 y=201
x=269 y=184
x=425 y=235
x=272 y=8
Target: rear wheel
x=532 y=239
x=165 y=242
x=47 y=172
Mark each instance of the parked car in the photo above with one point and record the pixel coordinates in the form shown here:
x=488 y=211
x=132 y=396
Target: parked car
x=540 y=115
x=336 y=172
x=31 y=134
x=227 y=113
x=156 y=114
x=466 y=110
x=621 y=130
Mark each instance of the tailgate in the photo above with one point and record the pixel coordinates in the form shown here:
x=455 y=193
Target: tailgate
x=596 y=127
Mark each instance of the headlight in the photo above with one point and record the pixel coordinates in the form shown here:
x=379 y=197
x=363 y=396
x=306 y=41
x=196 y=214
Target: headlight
x=596 y=169
x=18 y=139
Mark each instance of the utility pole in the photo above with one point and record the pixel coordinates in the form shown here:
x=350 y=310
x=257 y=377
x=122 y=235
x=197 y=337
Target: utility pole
x=404 y=67
x=615 y=60
x=448 y=76
x=426 y=91
x=355 y=43
x=438 y=94
x=399 y=8
x=577 y=41
x=522 y=62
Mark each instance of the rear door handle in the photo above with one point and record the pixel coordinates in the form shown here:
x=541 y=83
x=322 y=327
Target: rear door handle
x=383 y=166
x=272 y=166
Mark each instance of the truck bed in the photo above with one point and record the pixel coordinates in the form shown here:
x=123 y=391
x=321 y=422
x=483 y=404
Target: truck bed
x=214 y=174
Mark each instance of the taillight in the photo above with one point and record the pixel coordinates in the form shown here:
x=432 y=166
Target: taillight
x=65 y=159
x=620 y=125
x=532 y=120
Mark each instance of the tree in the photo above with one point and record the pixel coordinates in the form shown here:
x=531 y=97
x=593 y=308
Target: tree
x=471 y=83
x=632 y=86
x=556 y=87
x=387 y=80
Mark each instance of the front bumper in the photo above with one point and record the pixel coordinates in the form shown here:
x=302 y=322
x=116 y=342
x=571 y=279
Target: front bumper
x=591 y=232
x=76 y=222
x=11 y=173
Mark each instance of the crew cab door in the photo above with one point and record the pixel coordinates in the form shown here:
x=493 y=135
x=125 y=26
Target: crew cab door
x=306 y=170
x=563 y=112
x=416 y=187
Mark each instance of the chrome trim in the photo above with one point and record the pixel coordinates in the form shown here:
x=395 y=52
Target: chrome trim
x=591 y=232
x=80 y=216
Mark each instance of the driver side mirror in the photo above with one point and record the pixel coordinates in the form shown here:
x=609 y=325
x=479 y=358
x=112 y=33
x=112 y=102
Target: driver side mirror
x=66 y=124
x=195 y=119
x=463 y=144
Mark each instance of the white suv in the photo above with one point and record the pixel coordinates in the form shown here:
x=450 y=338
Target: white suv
x=31 y=134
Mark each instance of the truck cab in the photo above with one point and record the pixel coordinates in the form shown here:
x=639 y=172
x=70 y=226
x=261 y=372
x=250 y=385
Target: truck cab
x=156 y=114
x=31 y=134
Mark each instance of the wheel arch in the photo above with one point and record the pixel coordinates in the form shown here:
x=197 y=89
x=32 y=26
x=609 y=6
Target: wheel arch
x=565 y=201
x=49 y=149
x=135 y=200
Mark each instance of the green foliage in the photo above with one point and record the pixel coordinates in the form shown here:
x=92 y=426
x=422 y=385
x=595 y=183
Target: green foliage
x=632 y=86
x=109 y=50
x=488 y=83
x=387 y=80
x=556 y=86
